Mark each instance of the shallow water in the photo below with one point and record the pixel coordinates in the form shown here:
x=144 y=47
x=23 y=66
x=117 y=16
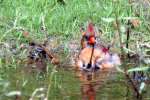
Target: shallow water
x=66 y=84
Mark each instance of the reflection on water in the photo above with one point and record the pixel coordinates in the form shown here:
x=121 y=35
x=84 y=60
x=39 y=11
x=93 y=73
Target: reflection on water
x=91 y=82
x=100 y=85
x=107 y=84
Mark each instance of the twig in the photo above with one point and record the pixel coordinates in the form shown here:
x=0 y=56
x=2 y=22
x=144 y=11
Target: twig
x=138 y=95
x=90 y=63
x=119 y=32
x=16 y=19
x=43 y=23
x=128 y=37
x=130 y=3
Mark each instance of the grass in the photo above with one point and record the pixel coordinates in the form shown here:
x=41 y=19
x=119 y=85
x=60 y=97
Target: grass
x=61 y=19
x=17 y=16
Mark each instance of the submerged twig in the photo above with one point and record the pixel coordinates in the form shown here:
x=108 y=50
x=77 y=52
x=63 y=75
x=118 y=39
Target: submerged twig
x=138 y=95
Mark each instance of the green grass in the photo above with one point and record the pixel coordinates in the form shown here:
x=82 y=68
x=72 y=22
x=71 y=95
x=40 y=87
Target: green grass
x=59 y=20
x=64 y=20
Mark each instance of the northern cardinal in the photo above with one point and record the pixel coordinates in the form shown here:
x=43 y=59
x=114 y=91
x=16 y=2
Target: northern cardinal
x=88 y=37
x=93 y=57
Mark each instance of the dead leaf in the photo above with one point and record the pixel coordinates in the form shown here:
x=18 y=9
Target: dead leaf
x=25 y=34
x=55 y=61
x=135 y=22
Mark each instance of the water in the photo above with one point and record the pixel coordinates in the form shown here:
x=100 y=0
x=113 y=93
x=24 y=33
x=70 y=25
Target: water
x=95 y=86
x=67 y=84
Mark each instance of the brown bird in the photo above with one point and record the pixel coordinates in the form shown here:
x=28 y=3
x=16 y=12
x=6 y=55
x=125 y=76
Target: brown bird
x=92 y=57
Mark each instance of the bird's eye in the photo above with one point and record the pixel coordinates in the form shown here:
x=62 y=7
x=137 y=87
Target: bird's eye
x=86 y=37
